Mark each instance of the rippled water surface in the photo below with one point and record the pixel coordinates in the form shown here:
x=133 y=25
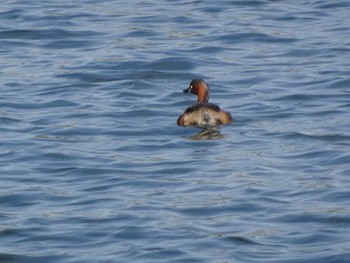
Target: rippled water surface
x=94 y=168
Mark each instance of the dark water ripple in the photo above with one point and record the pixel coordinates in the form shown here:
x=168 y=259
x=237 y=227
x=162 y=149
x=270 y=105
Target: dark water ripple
x=94 y=168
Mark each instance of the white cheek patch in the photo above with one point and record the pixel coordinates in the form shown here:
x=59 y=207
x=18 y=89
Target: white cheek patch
x=190 y=88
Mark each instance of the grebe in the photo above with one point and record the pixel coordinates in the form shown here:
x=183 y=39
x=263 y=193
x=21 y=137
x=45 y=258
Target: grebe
x=202 y=113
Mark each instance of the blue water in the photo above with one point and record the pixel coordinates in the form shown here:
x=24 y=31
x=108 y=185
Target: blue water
x=94 y=168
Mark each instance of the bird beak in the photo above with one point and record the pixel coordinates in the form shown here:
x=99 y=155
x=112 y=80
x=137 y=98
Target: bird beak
x=188 y=89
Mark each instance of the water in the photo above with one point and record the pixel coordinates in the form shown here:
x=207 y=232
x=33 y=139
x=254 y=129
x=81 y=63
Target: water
x=94 y=168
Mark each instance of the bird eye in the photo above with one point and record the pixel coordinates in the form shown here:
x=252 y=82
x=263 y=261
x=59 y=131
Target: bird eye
x=190 y=88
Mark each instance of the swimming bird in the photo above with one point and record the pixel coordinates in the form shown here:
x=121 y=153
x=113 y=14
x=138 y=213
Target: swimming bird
x=202 y=113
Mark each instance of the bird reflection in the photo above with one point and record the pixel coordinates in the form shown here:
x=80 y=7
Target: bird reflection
x=208 y=133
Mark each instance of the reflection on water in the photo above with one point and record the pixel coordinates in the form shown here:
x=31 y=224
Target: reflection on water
x=207 y=133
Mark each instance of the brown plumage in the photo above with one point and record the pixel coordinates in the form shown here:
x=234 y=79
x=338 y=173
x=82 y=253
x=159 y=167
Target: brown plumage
x=202 y=113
